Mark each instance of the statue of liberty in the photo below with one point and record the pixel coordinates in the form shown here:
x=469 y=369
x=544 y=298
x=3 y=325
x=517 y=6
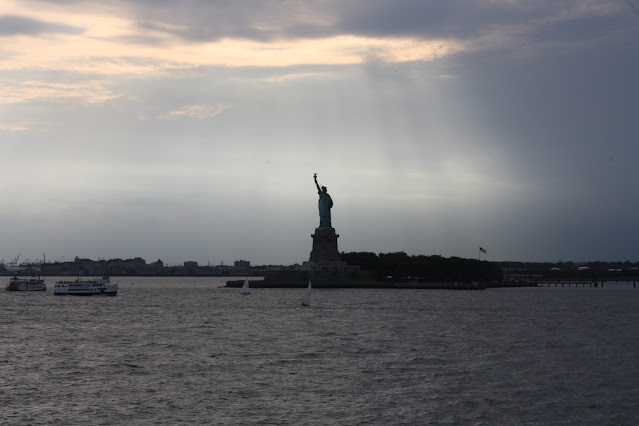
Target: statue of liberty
x=324 y=204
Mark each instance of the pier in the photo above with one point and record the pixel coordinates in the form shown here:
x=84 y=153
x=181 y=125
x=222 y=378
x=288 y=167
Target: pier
x=577 y=283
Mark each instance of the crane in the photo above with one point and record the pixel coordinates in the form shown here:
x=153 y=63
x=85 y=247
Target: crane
x=14 y=262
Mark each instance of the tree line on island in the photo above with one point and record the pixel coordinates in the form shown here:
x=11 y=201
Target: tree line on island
x=400 y=265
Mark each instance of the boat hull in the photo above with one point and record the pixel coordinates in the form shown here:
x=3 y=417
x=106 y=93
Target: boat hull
x=111 y=293
x=85 y=290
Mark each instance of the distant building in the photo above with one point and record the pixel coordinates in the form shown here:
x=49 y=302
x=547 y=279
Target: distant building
x=242 y=264
x=138 y=266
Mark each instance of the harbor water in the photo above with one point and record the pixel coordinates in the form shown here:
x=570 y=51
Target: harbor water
x=184 y=350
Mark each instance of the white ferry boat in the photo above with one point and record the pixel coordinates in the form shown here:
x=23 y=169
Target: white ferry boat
x=26 y=284
x=96 y=286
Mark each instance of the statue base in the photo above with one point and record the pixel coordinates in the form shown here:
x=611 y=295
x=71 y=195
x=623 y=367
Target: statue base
x=324 y=264
x=325 y=257
x=324 y=247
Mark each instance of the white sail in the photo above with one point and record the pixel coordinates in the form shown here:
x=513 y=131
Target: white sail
x=307 y=300
x=245 y=288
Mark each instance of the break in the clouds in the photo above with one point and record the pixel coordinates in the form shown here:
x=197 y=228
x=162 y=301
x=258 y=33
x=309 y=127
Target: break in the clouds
x=196 y=111
x=191 y=130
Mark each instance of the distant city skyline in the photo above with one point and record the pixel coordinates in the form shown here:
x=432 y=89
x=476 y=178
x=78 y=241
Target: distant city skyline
x=191 y=131
x=19 y=261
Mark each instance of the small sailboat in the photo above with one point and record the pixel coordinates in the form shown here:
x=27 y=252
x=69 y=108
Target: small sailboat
x=245 y=288
x=307 y=299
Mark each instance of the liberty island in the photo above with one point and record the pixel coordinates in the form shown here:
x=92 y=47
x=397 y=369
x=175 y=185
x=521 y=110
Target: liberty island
x=326 y=268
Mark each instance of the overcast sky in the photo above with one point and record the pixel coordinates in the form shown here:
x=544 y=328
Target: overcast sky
x=191 y=130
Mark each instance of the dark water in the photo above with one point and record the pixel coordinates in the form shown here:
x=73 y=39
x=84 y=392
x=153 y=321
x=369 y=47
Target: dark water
x=185 y=351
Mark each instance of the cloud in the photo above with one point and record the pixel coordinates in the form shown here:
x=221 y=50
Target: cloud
x=200 y=112
x=110 y=57
x=206 y=21
x=25 y=126
x=11 y=25
x=295 y=76
x=90 y=91
x=632 y=7
x=146 y=37
x=273 y=21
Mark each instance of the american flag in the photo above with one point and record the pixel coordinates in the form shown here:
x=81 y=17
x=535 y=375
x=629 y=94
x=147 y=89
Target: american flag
x=481 y=249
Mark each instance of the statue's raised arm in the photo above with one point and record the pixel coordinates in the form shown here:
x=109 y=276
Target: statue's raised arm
x=316 y=184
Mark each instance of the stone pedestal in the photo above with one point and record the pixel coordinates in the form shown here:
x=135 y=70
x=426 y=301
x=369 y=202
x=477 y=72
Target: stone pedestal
x=325 y=247
x=324 y=262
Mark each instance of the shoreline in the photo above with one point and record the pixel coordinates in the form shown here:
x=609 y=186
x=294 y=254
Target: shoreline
x=441 y=285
